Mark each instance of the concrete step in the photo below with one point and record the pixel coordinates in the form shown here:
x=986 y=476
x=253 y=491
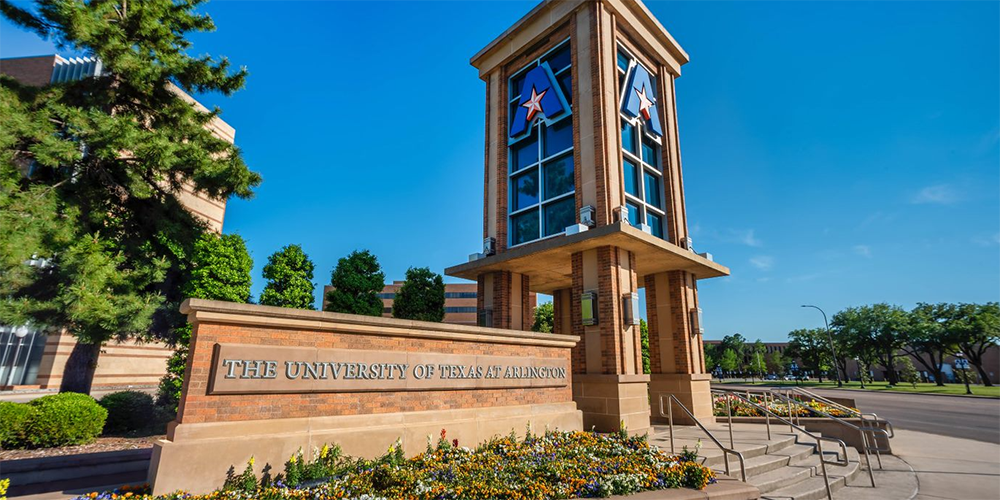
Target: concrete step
x=39 y=475
x=712 y=456
x=792 y=483
x=773 y=460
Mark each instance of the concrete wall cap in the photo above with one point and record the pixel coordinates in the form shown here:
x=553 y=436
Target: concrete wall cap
x=251 y=314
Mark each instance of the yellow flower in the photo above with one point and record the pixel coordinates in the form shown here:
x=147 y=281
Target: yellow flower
x=250 y=462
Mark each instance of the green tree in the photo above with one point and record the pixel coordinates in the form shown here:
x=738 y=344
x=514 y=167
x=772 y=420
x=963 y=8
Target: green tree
x=756 y=364
x=736 y=343
x=221 y=269
x=978 y=329
x=811 y=347
x=712 y=354
x=289 y=274
x=109 y=156
x=775 y=363
x=644 y=344
x=357 y=280
x=932 y=334
x=729 y=362
x=907 y=372
x=544 y=321
x=874 y=333
x=421 y=297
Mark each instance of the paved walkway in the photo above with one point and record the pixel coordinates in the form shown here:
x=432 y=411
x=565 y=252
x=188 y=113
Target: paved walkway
x=28 y=395
x=950 y=467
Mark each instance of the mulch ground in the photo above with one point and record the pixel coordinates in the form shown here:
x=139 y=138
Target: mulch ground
x=99 y=445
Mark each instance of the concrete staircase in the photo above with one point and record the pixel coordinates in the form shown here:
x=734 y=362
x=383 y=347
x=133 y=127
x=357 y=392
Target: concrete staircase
x=786 y=467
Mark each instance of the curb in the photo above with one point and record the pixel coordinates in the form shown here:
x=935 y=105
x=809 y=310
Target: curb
x=976 y=396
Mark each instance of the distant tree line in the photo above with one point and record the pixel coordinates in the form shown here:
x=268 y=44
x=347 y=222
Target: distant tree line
x=735 y=356
x=884 y=335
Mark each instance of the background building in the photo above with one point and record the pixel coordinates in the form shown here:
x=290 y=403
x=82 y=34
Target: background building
x=460 y=301
x=35 y=360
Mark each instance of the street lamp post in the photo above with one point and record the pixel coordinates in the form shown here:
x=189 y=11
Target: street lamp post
x=963 y=364
x=829 y=337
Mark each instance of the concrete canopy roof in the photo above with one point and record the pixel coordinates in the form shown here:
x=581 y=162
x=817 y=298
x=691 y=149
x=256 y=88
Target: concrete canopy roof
x=549 y=262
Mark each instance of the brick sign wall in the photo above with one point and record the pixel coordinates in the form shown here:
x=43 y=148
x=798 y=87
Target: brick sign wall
x=265 y=381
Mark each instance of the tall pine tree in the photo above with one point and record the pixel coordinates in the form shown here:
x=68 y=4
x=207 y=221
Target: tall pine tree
x=91 y=171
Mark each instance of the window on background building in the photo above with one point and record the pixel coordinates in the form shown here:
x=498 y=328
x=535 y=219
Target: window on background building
x=459 y=295
x=455 y=310
x=642 y=173
x=540 y=161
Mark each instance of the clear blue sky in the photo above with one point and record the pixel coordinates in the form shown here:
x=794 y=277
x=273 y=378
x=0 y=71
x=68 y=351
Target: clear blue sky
x=834 y=153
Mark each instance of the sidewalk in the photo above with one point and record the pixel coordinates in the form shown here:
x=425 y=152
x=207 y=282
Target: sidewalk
x=950 y=467
x=23 y=396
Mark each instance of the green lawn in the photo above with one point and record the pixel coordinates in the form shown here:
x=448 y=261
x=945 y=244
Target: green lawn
x=955 y=389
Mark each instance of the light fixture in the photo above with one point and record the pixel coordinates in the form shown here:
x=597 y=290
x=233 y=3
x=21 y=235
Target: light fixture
x=588 y=308
x=630 y=308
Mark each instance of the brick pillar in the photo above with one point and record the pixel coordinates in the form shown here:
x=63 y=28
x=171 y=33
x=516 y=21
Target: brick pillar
x=608 y=384
x=505 y=295
x=677 y=359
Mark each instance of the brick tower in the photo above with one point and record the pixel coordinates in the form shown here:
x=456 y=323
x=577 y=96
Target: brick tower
x=584 y=201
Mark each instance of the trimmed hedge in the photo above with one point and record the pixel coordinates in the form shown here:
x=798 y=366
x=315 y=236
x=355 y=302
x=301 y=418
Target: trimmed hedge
x=14 y=419
x=128 y=411
x=56 y=420
x=65 y=419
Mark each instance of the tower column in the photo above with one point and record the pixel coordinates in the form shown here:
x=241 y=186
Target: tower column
x=677 y=358
x=505 y=300
x=608 y=384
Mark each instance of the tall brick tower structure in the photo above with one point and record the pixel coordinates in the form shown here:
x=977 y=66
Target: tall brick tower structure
x=584 y=200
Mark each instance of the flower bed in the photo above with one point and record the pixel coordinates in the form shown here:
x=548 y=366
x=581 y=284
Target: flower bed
x=741 y=408
x=550 y=466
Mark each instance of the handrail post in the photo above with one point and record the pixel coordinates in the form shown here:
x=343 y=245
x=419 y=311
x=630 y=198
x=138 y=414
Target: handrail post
x=868 y=457
x=791 y=418
x=767 y=417
x=729 y=411
x=670 y=417
x=822 y=465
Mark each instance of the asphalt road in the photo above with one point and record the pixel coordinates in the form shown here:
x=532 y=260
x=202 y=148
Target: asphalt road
x=955 y=416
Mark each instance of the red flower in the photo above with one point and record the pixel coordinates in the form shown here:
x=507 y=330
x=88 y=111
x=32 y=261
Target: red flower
x=442 y=433
x=454 y=442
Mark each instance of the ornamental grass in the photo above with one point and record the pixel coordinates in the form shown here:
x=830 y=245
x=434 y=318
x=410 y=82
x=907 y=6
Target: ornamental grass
x=553 y=465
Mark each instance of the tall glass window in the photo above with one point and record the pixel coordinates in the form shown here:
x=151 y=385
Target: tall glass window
x=540 y=164
x=642 y=173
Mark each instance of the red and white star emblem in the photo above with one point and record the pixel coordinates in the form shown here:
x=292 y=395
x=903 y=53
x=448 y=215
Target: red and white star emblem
x=644 y=101
x=534 y=104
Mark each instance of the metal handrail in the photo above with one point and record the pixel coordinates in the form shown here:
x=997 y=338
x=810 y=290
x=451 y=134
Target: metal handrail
x=819 y=439
x=854 y=411
x=863 y=431
x=671 y=399
x=764 y=409
x=863 y=428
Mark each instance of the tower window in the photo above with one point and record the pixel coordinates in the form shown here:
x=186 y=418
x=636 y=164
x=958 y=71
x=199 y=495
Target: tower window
x=642 y=173
x=541 y=180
